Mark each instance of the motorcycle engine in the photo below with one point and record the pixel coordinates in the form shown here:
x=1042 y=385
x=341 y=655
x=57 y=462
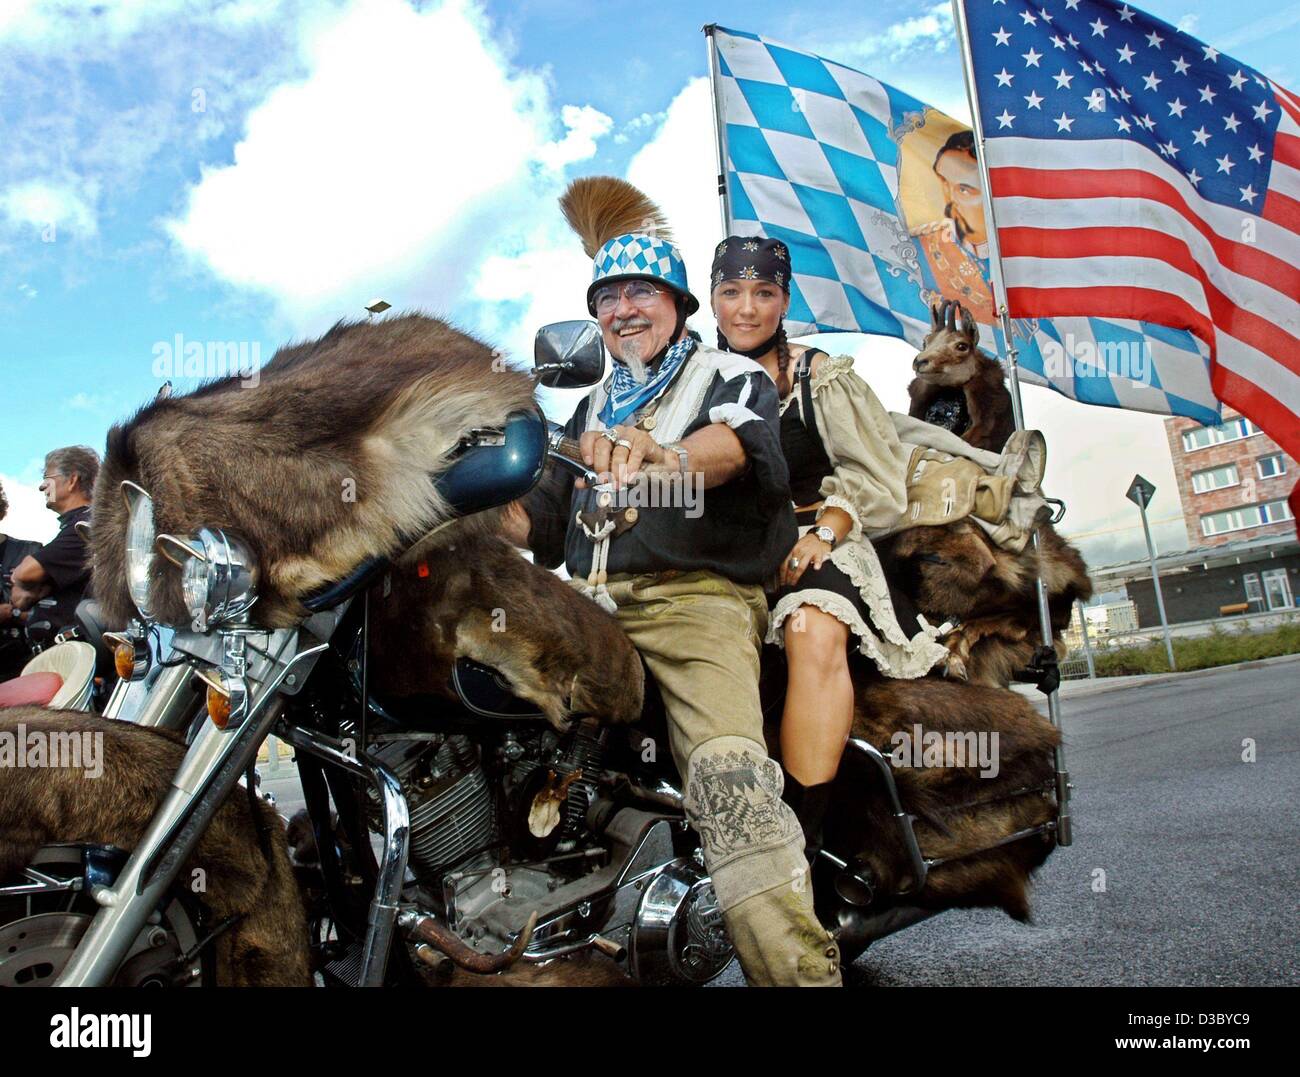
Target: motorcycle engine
x=535 y=801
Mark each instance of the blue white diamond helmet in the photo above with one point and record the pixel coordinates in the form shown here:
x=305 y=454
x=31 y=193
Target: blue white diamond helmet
x=638 y=256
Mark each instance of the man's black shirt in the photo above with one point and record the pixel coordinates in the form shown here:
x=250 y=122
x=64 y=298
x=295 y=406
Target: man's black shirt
x=66 y=560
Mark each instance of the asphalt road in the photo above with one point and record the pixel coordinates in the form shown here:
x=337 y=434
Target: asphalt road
x=1199 y=850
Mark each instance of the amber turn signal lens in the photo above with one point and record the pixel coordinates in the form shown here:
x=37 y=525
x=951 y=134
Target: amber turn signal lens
x=218 y=707
x=124 y=660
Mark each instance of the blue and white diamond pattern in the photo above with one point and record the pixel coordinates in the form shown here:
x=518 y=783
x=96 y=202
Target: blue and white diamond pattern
x=638 y=253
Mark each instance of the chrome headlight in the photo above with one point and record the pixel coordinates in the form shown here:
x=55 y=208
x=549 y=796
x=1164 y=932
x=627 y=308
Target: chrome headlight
x=139 y=545
x=218 y=576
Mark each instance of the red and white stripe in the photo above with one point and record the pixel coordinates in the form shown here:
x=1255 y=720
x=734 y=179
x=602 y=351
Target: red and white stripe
x=1109 y=229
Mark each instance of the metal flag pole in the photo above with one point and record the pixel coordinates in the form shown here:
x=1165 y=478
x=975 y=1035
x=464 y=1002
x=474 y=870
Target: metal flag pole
x=1063 y=831
x=719 y=130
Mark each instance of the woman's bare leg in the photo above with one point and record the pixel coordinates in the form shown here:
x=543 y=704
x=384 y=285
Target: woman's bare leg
x=818 y=713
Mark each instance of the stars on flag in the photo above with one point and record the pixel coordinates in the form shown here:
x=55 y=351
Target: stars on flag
x=1229 y=163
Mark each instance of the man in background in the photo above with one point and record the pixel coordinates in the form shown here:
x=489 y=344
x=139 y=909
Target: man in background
x=59 y=570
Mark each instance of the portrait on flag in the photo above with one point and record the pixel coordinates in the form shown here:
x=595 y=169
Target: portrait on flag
x=878 y=197
x=940 y=199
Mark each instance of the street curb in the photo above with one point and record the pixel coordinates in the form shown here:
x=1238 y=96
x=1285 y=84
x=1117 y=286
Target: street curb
x=1089 y=687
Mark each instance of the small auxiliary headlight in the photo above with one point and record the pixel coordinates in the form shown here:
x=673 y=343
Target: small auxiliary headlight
x=218 y=575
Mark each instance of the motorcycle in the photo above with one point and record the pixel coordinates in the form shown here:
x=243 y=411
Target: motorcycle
x=461 y=830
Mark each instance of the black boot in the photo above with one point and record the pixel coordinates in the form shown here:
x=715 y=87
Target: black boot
x=809 y=803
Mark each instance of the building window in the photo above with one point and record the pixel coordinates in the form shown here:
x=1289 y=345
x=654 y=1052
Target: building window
x=1276 y=511
x=1278 y=589
x=1216 y=478
x=1219 y=523
x=1229 y=430
x=1269 y=467
x=1254 y=592
x=1271 y=512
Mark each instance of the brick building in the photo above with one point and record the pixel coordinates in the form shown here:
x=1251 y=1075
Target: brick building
x=1233 y=480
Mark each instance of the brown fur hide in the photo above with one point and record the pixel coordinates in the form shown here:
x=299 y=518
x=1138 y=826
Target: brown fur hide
x=955 y=573
x=485 y=601
x=38 y=806
x=958 y=810
x=325 y=462
x=950 y=361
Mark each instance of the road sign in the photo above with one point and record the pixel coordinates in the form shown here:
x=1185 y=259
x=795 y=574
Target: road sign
x=1140 y=491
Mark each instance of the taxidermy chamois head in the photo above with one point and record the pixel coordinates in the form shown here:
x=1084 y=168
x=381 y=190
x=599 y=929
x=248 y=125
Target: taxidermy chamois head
x=957 y=386
x=950 y=353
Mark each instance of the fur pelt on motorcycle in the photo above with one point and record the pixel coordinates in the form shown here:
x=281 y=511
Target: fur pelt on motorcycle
x=955 y=573
x=483 y=600
x=267 y=946
x=959 y=808
x=322 y=459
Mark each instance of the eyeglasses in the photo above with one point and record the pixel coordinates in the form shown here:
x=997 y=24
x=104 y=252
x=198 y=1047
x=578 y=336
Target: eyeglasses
x=640 y=293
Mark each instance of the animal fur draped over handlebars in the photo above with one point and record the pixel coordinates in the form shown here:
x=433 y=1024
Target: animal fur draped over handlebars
x=267 y=946
x=322 y=460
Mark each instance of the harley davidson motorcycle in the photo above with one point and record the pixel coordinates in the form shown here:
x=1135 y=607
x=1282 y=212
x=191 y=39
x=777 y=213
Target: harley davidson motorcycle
x=454 y=831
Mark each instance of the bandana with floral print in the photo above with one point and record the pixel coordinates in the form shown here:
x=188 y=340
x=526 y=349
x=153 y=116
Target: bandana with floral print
x=752 y=258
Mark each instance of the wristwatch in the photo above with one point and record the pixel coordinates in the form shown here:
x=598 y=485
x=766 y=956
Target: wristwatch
x=826 y=535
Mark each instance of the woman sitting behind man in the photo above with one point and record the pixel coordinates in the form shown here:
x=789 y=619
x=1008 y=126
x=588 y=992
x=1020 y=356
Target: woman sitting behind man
x=847 y=474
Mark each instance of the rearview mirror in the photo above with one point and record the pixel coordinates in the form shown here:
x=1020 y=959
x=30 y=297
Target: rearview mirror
x=569 y=355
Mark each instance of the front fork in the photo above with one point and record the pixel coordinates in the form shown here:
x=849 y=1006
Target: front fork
x=210 y=770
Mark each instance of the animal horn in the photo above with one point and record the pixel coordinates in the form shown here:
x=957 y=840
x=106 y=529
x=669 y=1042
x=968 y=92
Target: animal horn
x=599 y=208
x=950 y=314
x=968 y=325
x=936 y=315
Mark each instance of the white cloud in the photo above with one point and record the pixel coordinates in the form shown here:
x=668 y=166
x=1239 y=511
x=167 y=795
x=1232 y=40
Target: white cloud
x=678 y=169
x=41 y=203
x=585 y=125
x=931 y=32
x=408 y=153
x=27 y=518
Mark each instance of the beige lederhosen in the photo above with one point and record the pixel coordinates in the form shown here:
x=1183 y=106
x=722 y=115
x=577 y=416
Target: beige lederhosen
x=701 y=634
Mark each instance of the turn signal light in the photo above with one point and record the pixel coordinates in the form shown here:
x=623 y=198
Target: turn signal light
x=124 y=660
x=218 y=707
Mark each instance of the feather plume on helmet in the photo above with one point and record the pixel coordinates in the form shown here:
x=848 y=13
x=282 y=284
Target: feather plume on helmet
x=625 y=234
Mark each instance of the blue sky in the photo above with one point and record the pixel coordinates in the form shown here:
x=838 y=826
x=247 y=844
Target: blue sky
x=248 y=171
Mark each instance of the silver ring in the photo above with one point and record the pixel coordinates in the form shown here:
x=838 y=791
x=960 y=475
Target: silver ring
x=794 y=562
x=623 y=443
x=609 y=436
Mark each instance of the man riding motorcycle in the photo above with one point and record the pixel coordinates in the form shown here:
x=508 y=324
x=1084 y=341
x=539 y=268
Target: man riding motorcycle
x=686 y=586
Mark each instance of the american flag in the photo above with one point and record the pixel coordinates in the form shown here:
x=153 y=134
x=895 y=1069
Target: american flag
x=1137 y=172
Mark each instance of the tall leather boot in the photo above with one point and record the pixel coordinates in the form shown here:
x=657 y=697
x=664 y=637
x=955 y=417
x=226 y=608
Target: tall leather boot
x=809 y=803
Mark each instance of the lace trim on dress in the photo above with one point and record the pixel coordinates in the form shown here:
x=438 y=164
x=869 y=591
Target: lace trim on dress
x=843 y=503
x=901 y=663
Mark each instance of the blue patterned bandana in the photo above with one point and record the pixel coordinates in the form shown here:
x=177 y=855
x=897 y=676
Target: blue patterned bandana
x=627 y=396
